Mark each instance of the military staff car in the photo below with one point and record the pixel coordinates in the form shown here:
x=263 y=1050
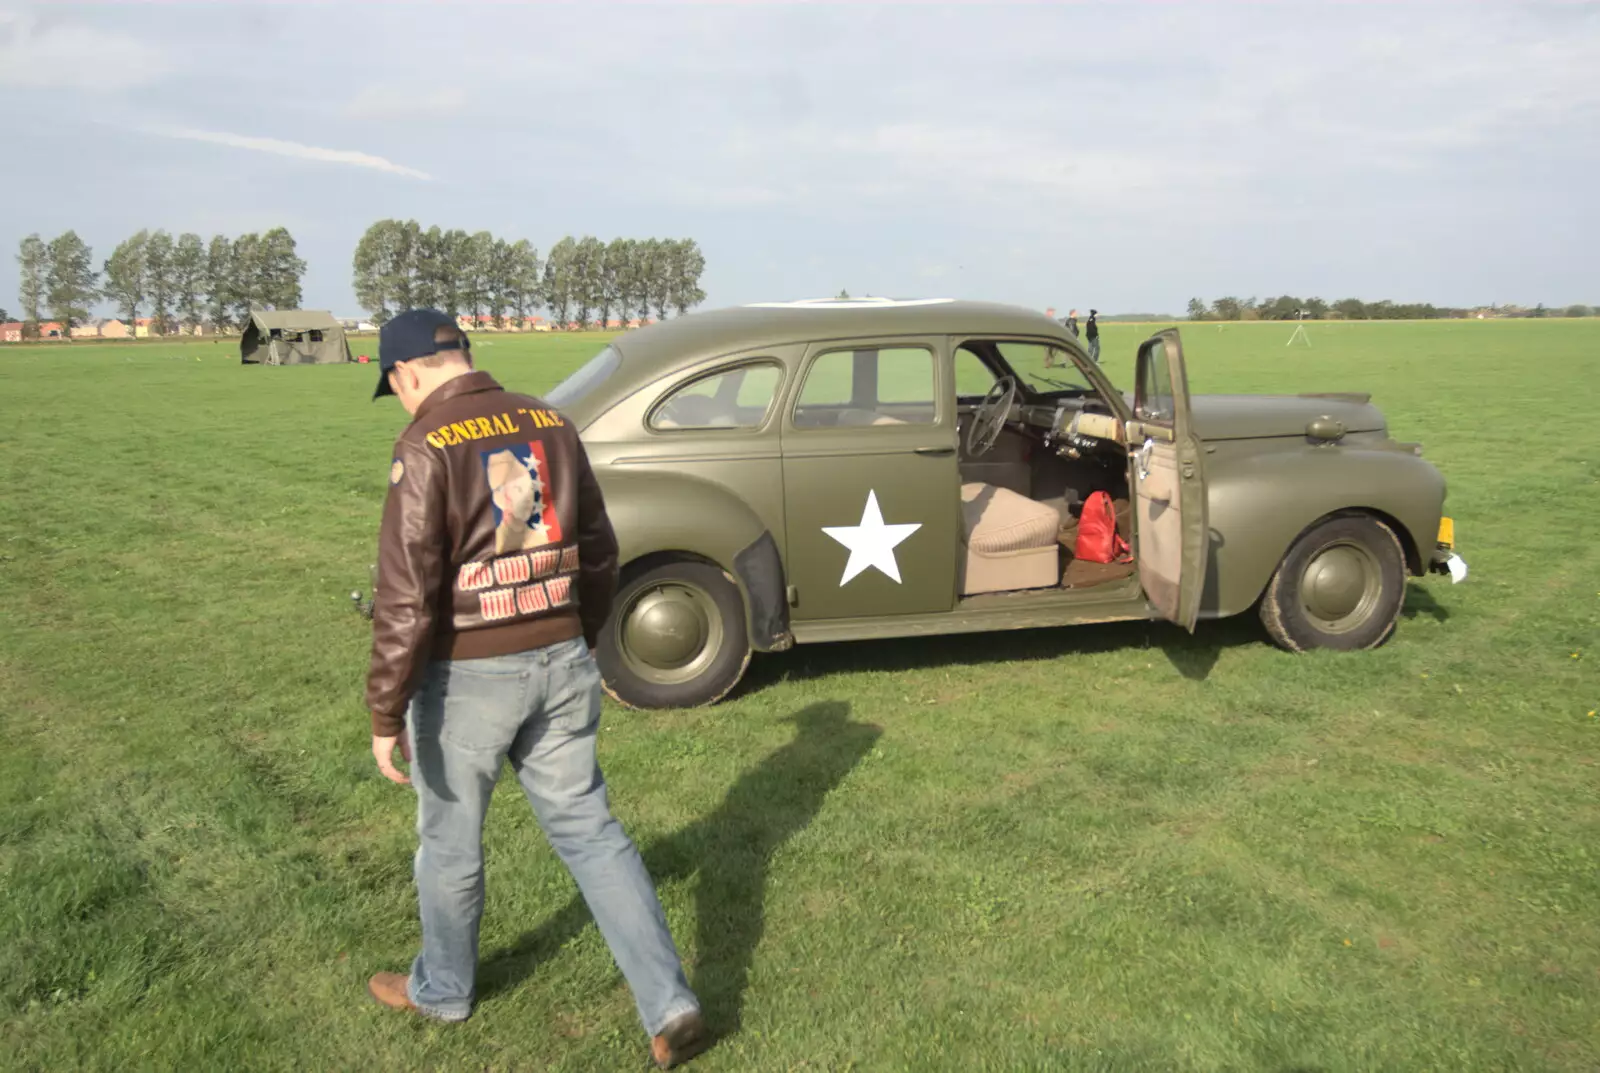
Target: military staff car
x=796 y=472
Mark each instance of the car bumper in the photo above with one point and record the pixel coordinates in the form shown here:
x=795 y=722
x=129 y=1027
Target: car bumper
x=1445 y=560
x=1449 y=562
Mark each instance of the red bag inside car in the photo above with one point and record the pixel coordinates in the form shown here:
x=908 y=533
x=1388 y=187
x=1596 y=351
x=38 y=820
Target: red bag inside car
x=1098 y=539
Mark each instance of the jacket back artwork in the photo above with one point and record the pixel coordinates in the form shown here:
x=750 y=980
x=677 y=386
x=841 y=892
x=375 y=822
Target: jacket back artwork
x=494 y=538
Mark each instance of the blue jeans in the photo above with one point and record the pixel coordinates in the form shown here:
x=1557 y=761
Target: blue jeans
x=541 y=711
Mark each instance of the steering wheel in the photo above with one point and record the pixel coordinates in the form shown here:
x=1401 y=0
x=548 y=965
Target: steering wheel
x=990 y=416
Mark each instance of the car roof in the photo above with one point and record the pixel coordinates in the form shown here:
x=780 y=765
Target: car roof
x=657 y=348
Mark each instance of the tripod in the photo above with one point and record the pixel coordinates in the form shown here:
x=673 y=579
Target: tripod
x=1299 y=329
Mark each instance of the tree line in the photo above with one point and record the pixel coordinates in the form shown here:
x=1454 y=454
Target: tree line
x=179 y=281
x=1287 y=307
x=398 y=265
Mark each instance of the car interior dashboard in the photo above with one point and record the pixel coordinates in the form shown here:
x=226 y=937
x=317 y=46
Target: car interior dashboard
x=1067 y=423
x=1043 y=437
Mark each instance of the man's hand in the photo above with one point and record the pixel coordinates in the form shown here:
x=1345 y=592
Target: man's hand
x=383 y=753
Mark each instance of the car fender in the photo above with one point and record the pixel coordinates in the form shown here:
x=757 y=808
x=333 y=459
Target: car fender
x=658 y=513
x=1258 y=504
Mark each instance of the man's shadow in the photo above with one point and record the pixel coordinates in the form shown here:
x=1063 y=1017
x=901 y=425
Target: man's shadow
x=730 y=849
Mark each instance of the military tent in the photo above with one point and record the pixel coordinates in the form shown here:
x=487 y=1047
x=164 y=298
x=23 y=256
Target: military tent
x=293 y=337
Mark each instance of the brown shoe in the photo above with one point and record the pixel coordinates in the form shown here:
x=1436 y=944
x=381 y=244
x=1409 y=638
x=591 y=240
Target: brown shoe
x=389 y=988
x=684 y=1037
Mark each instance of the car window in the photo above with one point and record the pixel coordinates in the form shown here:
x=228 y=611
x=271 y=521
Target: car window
x=1154 y=395
x=732 y=398
x=973 y=377
x=1043 y=367
x=872 y=386
x=906 y=375
x=593 y=373
x=758 y=386
x=828 y=382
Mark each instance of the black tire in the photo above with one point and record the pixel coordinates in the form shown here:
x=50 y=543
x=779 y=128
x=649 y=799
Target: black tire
x=1341 y=586
x=675 y=638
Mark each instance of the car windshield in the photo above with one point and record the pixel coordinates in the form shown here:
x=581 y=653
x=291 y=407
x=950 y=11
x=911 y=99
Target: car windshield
x=1048 y=369
x=593 y=373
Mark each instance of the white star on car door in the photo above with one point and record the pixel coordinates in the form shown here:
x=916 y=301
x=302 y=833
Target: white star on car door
x=871 y=543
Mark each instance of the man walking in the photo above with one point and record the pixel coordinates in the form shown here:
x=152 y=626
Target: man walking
x=496 y=568
x=1072 y=322
x=1091 y=332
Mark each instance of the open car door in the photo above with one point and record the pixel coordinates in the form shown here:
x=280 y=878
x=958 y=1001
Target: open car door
x=1170 y=529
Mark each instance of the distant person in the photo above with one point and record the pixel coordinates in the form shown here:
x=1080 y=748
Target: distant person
x=1091 y=332
x=496 y=569
x=1072 y=322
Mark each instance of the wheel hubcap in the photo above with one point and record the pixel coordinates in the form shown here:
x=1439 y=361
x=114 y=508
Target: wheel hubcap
x=1340 y=586
x=669 y=632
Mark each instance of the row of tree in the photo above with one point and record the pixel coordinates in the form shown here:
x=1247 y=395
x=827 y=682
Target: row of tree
x=180 y=280
x=1287 y=307
x=398 y=265
x=58 y=275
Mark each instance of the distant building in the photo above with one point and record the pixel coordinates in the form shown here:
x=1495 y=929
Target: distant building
x=89 y=329
x=510 y=322
x=11 y=332
x=114 y=328
x=50 y=329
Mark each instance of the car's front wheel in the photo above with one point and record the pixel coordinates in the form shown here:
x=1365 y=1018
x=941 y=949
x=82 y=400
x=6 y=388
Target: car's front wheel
x=676 y=637
x=1340 y=586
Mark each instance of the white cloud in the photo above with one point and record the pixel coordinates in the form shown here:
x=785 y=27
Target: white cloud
x=1319 y=146
x=997 y=161
x=56 y=55
x=387 y=101
x=292 y=149
x=897 y=163
x=1400 y=90
x=1228 y=108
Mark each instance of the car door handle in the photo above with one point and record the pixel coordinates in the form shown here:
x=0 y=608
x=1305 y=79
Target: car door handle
x=934 y=450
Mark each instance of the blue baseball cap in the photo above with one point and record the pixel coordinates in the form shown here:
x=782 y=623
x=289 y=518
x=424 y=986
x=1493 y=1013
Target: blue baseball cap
x=409 y=335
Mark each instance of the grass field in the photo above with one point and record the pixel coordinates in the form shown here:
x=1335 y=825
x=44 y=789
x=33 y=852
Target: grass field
x=1115 y=848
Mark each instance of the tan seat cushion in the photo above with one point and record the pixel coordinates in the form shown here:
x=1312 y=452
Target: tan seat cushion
x=862 y=418
x=1011 y=541
x=996 y=520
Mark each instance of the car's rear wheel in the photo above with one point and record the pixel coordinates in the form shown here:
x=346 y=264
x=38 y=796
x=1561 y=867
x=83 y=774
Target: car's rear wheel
x=676 y=637
x=1340 y=586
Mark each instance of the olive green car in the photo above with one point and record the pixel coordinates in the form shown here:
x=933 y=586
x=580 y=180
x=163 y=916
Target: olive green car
x=796 y=472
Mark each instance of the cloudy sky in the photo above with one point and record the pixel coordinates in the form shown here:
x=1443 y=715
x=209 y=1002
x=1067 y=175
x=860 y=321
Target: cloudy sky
x=1127 y=157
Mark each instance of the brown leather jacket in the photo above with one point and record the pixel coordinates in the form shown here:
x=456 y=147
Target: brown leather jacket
x=494 y=539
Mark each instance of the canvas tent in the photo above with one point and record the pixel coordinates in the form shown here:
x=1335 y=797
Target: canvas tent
x=293 y=337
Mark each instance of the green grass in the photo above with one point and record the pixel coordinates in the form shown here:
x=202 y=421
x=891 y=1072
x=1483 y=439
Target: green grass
x=1096 y=848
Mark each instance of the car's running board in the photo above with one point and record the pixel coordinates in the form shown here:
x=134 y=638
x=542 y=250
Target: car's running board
x=1001 y=616
x=1362 y=397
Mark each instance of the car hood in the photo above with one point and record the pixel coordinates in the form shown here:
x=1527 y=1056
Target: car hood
x=1246 y=417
